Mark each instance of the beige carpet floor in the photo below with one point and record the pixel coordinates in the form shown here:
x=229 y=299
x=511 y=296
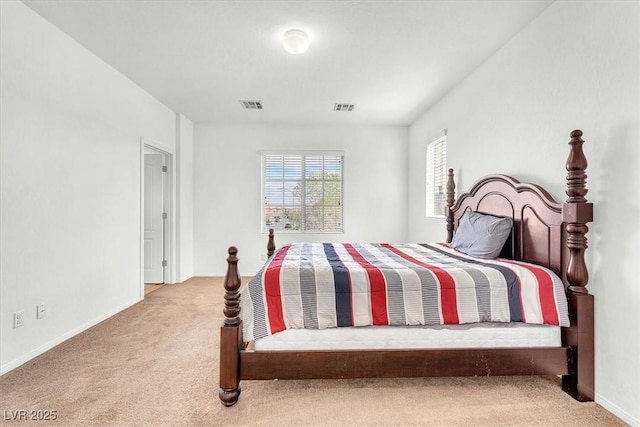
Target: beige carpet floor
x=156 y=364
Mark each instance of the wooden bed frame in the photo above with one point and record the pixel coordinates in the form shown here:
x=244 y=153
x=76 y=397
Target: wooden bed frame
x=545 y=232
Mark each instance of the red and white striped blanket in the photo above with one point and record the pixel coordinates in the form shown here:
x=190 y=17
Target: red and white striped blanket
x=326 y=285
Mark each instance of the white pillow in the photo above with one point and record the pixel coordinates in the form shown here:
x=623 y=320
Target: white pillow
x=481 y=235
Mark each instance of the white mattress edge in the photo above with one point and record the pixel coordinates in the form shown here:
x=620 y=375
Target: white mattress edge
x=477 y=335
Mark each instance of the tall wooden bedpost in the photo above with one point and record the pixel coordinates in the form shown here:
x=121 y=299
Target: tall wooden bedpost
x=230 y=334
x=576 y=213
x=451 y=195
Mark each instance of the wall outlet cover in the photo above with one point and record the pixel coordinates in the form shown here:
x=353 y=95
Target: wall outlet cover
x=18 y=319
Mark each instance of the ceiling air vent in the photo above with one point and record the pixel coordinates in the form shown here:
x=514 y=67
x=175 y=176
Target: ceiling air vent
x=251 y=105
x=344 y=107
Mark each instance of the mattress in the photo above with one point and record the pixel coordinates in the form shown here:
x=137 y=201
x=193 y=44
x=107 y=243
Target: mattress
x=332 y=285
x=477 y=335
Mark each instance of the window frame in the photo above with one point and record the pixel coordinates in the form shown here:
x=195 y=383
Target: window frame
x=303 y=154
x=436 y=168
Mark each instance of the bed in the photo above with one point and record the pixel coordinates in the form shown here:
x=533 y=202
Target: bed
x=544 y=236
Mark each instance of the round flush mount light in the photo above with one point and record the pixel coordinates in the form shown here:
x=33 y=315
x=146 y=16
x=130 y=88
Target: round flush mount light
x=295 y=41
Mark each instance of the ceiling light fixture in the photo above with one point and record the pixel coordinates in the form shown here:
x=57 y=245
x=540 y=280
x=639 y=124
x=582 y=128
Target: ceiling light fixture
x=295 y=41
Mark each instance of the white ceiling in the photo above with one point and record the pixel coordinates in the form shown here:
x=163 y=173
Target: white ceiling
x=393 y=59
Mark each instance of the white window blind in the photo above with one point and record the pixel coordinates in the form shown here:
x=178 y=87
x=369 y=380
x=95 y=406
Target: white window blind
x=437 y=178
x=303 y=192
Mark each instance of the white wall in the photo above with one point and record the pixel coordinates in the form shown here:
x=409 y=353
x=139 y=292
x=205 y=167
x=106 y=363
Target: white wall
x=576 y=66
x=228 y=193
x=184 y=164
x=70 y=184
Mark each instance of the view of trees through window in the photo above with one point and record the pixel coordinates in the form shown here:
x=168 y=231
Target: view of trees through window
x=303 y=192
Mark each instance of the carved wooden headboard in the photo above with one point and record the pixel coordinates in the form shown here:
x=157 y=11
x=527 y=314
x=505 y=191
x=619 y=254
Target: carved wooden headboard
x=545 y=232
x=537 y=218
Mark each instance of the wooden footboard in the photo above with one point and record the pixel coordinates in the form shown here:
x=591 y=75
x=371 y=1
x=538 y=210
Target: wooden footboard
x=545 y=232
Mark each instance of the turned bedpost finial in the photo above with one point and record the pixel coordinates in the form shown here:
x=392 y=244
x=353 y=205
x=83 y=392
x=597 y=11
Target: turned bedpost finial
x=576 y=166
x=577 y=212
x=232 y=282
x=271 y=246
x=451 y=194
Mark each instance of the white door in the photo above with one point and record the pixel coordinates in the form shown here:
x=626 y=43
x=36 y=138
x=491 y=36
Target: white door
x=153 y=218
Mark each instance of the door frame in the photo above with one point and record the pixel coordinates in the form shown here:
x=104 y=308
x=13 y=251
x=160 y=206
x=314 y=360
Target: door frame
x=170 y=209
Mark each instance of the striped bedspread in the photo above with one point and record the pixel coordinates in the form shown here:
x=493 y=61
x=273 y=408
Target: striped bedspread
x=326 y=285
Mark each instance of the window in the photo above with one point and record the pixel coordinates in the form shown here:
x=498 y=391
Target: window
x=302 y=192
x=437 y=178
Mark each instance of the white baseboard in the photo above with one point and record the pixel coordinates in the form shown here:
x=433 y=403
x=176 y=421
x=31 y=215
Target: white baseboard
x=62 y=338
x=617 y=411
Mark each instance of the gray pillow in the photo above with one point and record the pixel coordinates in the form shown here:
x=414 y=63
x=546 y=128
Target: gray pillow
x=481 y=235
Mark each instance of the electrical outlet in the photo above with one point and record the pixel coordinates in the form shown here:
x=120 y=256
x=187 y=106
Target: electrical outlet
x=41 y=311
x=18 y=319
